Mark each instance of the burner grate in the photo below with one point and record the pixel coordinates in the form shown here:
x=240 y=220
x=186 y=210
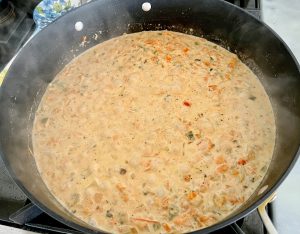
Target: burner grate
x=15 y=27
x=246 y=3
x=252 y=6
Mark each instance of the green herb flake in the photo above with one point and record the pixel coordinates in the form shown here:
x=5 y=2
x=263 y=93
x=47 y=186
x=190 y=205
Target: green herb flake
x=196 y=43
x=109 y=214
x=173 y=211
x=156 y=226
x=44 y=120
x=264 y=169
x=122 y=171
x=252 y=97
x=142 y=47
x=167 y=98
x=190 y=136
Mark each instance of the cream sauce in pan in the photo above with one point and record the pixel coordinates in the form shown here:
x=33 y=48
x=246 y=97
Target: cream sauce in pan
x=154 y=132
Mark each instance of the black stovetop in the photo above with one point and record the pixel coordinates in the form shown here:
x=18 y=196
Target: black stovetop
x=15 y=209
x=16 y=26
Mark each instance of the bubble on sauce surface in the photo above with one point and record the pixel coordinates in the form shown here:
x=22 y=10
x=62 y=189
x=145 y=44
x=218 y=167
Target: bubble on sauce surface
x=78 y=26
x=146 y=6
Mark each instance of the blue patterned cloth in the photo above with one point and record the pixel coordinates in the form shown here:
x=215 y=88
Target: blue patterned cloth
x=48 y=10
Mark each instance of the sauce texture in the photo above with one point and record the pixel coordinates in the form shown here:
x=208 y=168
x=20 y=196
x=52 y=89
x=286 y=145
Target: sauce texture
x=154 y=132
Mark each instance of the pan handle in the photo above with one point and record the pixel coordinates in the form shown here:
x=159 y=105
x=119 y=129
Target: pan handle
x=265 y=217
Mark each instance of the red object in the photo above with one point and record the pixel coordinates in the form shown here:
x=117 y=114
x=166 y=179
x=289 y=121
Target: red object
x=242 y=162
x=186 y=103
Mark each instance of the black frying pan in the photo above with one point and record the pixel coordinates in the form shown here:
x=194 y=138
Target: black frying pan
x=48 y=52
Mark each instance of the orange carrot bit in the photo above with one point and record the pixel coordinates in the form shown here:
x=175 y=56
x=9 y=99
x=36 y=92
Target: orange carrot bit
x=232 y=63
x=203 y=218
x=186 y=103
x=207 y=63
x=222 y=169
x=210 y=145
x=151 y=42
x=179 y=220
x=98 y=197
x=123 y=194
x=148 y=165
x=242 y=161
x=170 y=48
x=251 y=155
x=166 y=227
x=233 y=200
x=187 y=178
x=120 y=187
x=220 y=90
x=219 y=159
x=212 y=87
x=165 y=203
x=124 y=197
x=203 y=188
x=133 y=231
x=168 y=58
x=191 y=195
x=227 y=76
x=167 y=185
x=235 y=172
x=185 y=50
x=144 y=220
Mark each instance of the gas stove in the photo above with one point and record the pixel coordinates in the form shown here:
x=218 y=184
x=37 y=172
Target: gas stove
x=16 y=210
x=16 y=26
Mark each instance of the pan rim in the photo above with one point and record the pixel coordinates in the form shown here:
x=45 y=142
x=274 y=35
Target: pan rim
x=222 y=223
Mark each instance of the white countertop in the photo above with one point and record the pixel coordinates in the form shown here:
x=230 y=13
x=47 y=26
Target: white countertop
x=11 y=230
x=284 y=17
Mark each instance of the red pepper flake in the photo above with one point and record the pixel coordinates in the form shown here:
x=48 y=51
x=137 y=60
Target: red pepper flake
x=186 y=103
x=242 y=162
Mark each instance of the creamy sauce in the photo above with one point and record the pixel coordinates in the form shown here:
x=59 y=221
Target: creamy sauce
x=154 y=132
